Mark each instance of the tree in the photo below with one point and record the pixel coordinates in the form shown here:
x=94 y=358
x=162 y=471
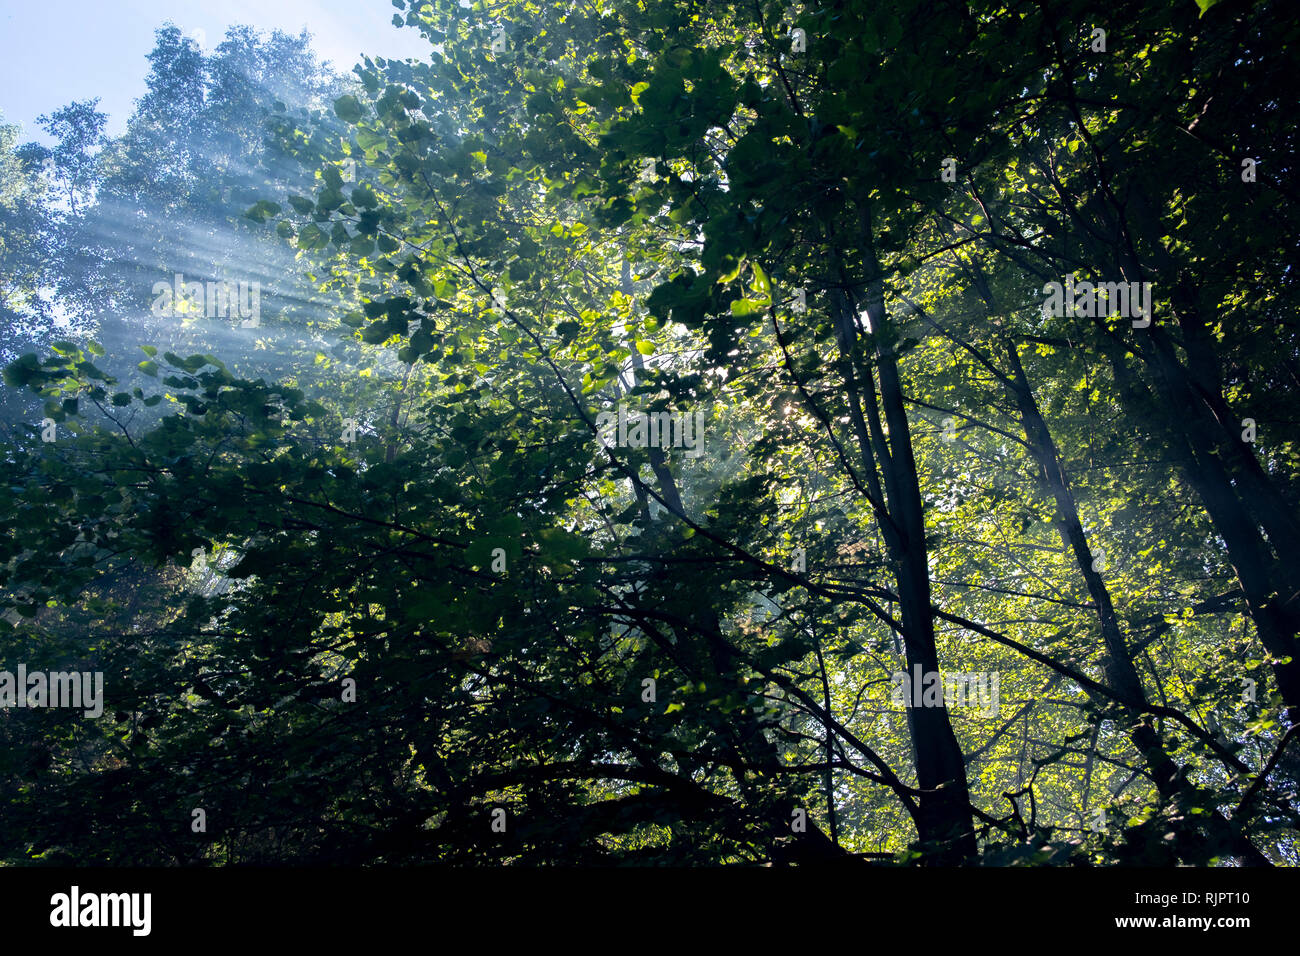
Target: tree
x=464 y=609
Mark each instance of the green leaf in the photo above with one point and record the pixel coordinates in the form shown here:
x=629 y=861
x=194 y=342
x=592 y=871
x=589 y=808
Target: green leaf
x=731 y=276
x=261 y=209
x=349 y=109
x=312 y=237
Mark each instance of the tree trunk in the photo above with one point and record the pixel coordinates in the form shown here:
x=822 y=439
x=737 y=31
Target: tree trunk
x=1121 y=673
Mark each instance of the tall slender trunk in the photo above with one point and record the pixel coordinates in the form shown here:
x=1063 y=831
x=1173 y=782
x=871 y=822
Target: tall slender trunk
x=1238 y=496
x=1274 y=617
x=1121 y=673
x=944 y=820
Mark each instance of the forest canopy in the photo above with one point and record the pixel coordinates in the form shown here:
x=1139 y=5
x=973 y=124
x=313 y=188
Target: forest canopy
x=663 y=433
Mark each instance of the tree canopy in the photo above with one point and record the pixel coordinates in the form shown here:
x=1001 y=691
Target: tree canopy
x=669 y=433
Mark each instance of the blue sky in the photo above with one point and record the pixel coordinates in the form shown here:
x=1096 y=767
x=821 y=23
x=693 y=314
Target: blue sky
x=55 y=51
